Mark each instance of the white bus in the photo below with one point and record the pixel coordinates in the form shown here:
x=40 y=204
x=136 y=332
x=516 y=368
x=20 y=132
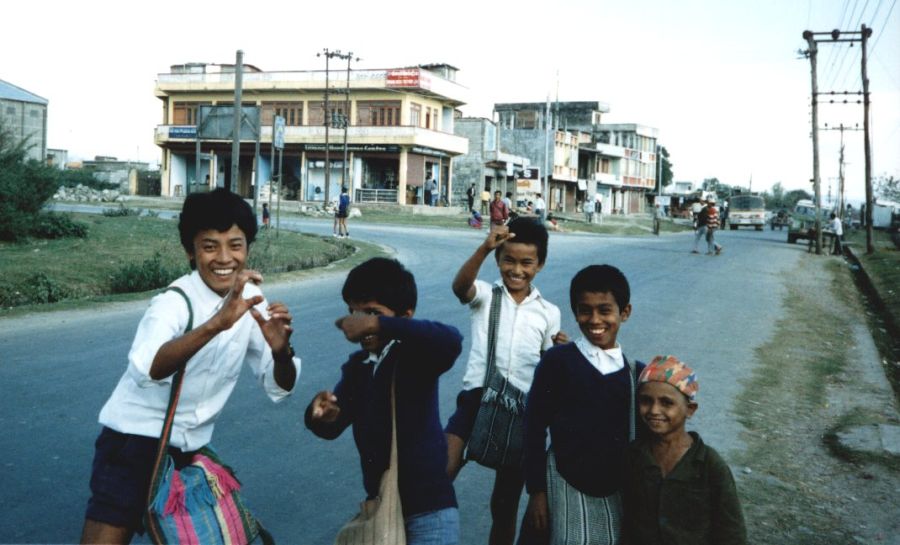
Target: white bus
x=746 y=211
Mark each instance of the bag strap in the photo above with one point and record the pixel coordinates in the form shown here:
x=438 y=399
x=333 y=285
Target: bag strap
x=174 y=394
x=631 y=393
x=394 y=460
x=493 y=324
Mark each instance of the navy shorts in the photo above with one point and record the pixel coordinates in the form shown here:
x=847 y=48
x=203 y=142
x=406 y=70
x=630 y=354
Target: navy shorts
x=120 y=478
x=463 y=420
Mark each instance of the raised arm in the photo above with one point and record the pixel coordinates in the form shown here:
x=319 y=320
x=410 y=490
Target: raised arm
x=464 y=282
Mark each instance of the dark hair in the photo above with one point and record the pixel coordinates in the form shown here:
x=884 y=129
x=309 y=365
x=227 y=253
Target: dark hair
x=384 y=281
x=219 y=209
x=600 y=279
x=509 y=193
x=528 y=231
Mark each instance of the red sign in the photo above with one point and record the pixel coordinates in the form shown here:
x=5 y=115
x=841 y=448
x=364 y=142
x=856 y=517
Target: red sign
x=407 y=78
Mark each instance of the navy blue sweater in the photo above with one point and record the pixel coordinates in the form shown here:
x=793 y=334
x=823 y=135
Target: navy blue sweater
x=425 y=350
x=587 y=414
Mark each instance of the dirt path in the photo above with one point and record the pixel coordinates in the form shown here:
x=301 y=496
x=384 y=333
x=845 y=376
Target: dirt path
x=821 y=372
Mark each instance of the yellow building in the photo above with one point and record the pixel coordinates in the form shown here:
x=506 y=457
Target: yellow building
x=399 y=130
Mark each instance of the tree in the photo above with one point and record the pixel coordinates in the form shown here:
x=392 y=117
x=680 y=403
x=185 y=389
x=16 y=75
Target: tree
x=777 y=195
x=25 y=185
x=666 y=168
x=791 y=197
x=888 y=188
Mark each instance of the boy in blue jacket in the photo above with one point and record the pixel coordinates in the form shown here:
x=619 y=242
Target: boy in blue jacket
x=381 y=296
x=584 y=393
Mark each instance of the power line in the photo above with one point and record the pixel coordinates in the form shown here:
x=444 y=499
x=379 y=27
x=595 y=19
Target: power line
x=886 y=19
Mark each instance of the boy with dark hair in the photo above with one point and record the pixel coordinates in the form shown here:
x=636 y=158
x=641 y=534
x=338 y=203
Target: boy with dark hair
x=381 y=299
x=499 y=210
x=528 y=324
x=584 y=393
x=672 y=476
x=233 y=326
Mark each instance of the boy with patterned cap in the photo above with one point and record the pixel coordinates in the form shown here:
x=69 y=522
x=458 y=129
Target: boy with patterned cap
x=677 y=490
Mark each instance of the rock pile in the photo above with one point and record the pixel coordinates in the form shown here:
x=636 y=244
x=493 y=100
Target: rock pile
x=83 y=193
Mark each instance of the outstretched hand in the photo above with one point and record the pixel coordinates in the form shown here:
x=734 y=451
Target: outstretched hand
x=235 y=305
x=497 y=236
x=357 y=325
x=277 y=329
x=325 y=407
x=560 y=338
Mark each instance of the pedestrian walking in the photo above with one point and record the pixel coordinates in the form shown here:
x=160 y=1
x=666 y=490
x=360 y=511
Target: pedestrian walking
x=485 y=201
x=540 y=206
x=499 y=210
x=838 y=229
x=470 y=197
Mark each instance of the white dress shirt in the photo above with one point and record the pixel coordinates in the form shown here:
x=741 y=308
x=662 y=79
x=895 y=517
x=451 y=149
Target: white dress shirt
x=138 y=403
x=605 y=361
x=525 y=329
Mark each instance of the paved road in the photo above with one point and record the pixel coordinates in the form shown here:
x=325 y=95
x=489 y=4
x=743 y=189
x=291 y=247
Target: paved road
x=56 y=370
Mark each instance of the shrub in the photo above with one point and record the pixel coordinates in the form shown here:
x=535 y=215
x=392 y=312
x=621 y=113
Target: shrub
x=25 y=185
x=49 y=225
x=149 y=275
x=121 y=211
x=76 y=177
x=36 y=289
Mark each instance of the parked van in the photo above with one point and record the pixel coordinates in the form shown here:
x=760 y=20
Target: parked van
x=803 y=220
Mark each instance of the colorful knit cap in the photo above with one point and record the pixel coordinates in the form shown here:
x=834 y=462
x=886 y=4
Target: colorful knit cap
x=670 y=370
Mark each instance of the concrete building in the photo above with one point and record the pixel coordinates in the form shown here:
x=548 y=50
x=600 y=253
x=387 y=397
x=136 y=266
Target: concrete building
x=25 y=115
x=485 y=165
x=113 y=171
x=625 y=167
x=400 y=130
x=57 y=158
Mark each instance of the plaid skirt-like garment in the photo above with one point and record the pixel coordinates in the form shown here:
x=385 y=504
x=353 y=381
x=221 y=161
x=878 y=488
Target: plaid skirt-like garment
x=579 y=519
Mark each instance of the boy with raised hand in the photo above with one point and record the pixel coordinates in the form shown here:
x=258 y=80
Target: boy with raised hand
x=233 y=326
x=381 y=298
x=583 y=393
x=528 y=325
x=677 y=489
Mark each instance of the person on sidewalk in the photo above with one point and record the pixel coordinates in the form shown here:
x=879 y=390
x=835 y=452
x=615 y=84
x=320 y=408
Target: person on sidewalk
x=707 y=223
x=470 y=197
x=499 y=210
x=838 y=229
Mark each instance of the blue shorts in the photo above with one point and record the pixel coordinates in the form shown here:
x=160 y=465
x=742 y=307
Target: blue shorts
x=463 y=420
x=120 y=478
x=439 y=527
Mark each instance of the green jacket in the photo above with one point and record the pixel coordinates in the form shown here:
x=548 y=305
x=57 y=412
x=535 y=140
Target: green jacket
x=695 y=504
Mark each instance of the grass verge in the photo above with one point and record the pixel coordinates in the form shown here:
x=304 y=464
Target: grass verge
x=786 y=409
x=79 y=272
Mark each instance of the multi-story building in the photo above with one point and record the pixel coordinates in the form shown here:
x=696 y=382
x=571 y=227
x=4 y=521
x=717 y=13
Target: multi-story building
x=625 y=165
x=400 y=130
x=24 y=114
x=485 y=165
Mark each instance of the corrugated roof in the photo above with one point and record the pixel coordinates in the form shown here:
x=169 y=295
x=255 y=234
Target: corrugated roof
x=11 y=92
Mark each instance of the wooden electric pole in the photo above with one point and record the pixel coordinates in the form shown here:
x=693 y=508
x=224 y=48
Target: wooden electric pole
x=813 y=53
x=870 y=247
x=238 y=111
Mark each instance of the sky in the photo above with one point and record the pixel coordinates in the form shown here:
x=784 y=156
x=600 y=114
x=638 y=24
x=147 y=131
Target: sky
x=722 y=81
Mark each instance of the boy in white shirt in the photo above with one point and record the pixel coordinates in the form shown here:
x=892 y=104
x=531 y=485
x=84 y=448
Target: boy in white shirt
x=528 y=325
x=233 y=326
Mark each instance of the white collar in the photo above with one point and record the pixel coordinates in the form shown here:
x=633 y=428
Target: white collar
x=376 y=359
x=533 y=293
x=605 y=361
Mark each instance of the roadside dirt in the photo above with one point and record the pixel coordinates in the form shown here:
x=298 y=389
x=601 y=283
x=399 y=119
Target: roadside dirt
x=820 y=373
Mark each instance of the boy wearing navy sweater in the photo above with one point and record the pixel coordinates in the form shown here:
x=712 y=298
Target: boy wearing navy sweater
x=584 y=393
x=381 y=296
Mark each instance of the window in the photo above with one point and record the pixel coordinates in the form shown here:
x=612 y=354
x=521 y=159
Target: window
x=185 y=113
x=378 y=113
x=34 y=113
x=317 y=113
x=526 y=120
x=292 y=112
x=427 y=118
x=415 y=114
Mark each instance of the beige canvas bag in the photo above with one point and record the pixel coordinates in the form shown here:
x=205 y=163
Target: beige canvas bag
x=380 y=520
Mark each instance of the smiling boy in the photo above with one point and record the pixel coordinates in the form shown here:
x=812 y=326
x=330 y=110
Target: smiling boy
x=583 y=393
x=236 y=327
x=677 y=489
x=381 y=299
x=528 y=325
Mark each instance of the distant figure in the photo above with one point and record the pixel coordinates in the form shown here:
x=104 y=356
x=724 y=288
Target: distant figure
x=340 y=215
x=838 y=230
x=539 y=207
x=588 y=207
x=508 y=200
x=598 y=207
x=499 y=210
x=470 y=197
x=430 y=186
x=475 y=220
x=485 y=200
x=657 y=218
x=266 y=215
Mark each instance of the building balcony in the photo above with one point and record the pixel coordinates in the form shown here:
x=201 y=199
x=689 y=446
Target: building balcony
x=359 y=135
x=413 y=80
x=607 y=179
x=610 y=150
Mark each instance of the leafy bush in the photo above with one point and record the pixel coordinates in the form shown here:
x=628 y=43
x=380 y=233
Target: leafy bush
x=25 y=185
x=149 y=275
x=121 y=211
x=49 y=225
x=36 y=289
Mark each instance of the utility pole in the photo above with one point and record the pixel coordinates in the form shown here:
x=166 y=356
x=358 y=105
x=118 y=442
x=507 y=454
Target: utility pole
x=835 y=37
x=345 y=170
x=546 y=188
x=813 y=53
x=238 y=114
x=870 y=247
x=327 y=53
